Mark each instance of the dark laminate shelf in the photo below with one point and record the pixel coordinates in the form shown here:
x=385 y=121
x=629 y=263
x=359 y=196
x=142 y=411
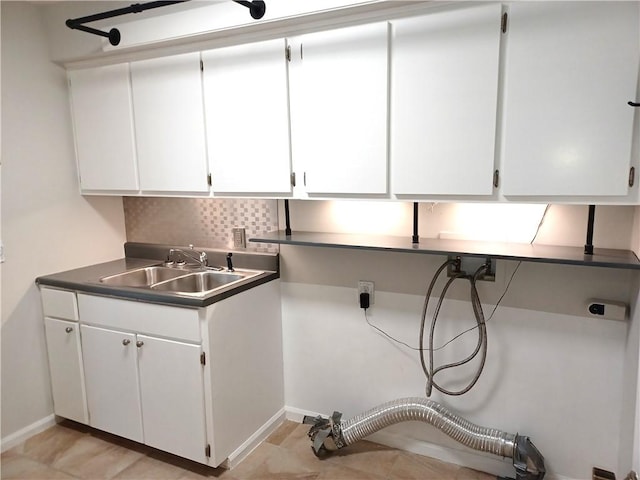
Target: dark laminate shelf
x=602 y=257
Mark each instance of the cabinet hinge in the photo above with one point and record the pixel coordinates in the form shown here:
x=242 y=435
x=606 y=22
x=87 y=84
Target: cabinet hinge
x=203 y=359
x=496 y=178
x=632 y=176
x=287 y=53
x=207 y=450
x=293 y=179
x=209 y=181
x=201 y=66
x=504 y=22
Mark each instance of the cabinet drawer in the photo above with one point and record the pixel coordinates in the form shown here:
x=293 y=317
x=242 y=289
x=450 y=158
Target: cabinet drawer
x=59 y=304
x=161 y=320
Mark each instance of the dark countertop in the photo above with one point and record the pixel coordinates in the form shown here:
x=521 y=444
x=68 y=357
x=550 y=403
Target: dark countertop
x=86 y=279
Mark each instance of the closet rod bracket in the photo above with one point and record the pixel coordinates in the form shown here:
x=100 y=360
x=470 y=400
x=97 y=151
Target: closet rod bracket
x=256 y=8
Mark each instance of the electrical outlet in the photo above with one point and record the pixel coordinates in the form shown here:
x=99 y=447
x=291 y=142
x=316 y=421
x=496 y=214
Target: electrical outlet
x=239 y=238
x=366 y=287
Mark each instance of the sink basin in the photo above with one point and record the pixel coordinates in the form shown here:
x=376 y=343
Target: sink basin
x=177 y=280
x=143 y=277
x=202 y=282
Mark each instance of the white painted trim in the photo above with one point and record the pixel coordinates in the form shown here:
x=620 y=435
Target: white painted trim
x=27 y=432
x=297 y=414
x=464 y=458
x=254 y=440
x=484 y=463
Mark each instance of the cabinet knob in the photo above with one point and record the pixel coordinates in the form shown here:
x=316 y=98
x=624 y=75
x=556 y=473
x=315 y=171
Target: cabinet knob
x=139 y=343
x=68 y=329
x=126 y=342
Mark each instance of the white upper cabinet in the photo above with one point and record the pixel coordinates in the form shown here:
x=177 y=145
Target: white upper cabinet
x=571 y=68
x=339 y=110
x=103 y=126
x=247 y=114
x=169 y=123
x=444 y=94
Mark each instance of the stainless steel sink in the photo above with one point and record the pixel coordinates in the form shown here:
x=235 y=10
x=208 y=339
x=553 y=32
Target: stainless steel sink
x=178 y=280
x=201 y=282
x=143 y=277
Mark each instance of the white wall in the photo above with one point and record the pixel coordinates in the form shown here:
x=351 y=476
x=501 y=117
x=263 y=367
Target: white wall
x=46 y=225
x=630 y=414
x=551 y=373
x=630 y=411
x=556 y=378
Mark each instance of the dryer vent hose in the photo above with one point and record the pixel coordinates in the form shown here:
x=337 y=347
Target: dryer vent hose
x=330 y=434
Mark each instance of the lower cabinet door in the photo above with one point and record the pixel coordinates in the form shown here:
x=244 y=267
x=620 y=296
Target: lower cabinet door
x=172 y=392
x=65 y=365
x=111 y=373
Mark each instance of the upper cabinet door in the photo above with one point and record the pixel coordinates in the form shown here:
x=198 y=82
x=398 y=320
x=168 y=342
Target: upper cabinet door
x=103 y=125
x=339 y=102
x=247 y=114
x=571 y=68
x=169 y=122
x=444 y=94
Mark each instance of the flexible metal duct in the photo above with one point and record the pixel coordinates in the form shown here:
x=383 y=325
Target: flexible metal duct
x=427 y=411
x=332 y=434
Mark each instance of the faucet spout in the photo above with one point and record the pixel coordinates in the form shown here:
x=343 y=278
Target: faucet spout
x=199 y=257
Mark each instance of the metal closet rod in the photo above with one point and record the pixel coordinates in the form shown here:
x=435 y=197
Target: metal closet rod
x=256 y=8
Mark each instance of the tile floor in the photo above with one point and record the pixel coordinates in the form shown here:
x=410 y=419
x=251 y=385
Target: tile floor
x=72 y=451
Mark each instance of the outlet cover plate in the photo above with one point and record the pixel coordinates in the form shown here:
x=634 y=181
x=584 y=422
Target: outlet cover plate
x=365 y=286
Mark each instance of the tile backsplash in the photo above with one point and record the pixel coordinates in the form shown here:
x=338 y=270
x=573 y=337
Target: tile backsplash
x=204 y=222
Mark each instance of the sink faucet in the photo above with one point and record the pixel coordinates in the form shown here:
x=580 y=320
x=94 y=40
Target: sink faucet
x=199 y=257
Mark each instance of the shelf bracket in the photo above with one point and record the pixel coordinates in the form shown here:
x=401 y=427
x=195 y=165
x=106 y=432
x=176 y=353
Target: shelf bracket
x=287 y=218
x=588 y=247
x=415 y=238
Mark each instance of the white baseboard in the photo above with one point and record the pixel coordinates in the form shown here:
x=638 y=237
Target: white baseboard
x=297 y=414
x=490 y=464
x=254 y=440
x=27 y=432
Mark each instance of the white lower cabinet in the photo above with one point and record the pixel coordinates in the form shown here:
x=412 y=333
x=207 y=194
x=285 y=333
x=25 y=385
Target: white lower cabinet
x=111 y=369
x=183 y=380
x=146 y=389
x=172 y=395
x=65 y=366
